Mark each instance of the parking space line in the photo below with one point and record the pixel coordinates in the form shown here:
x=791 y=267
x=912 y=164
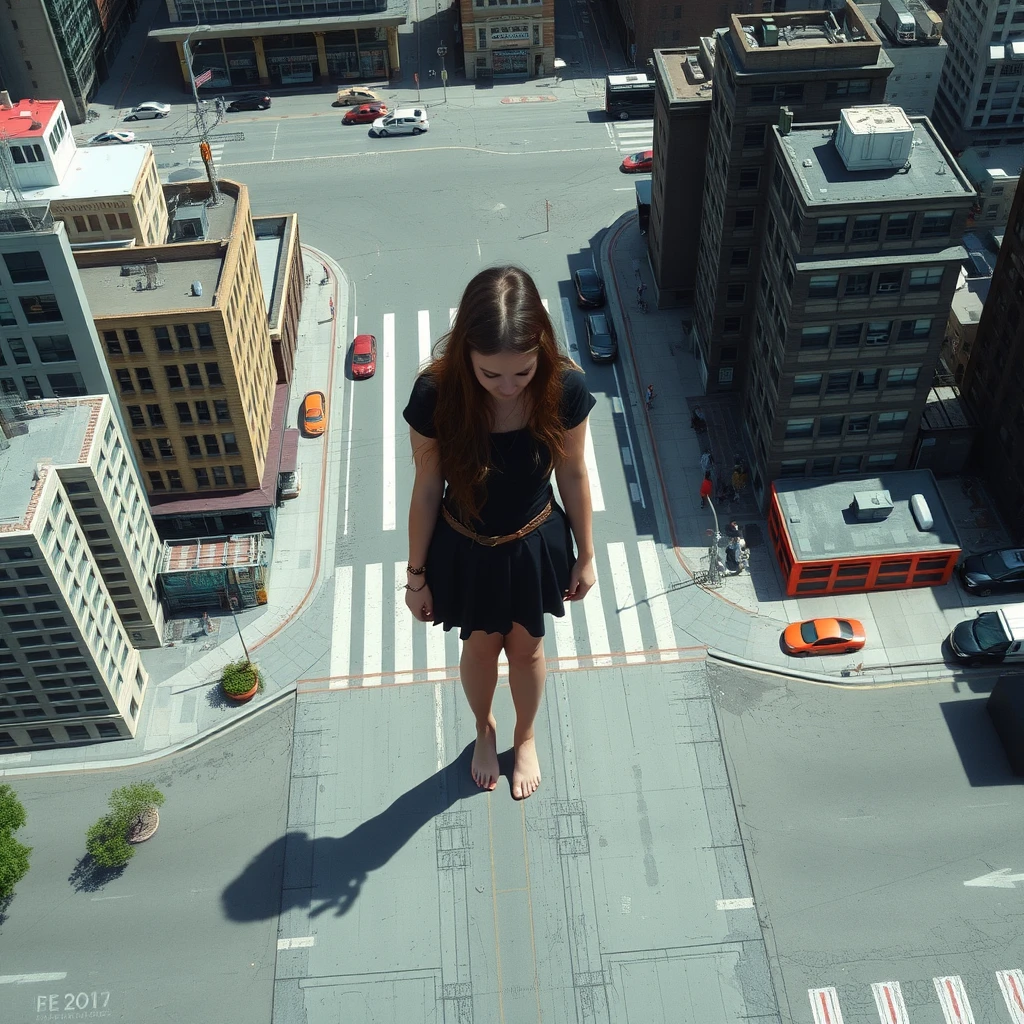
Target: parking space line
x=1011 y=984
x=889 y=1000
x=30 y=979
x=825 y=1006
x=956 y=1007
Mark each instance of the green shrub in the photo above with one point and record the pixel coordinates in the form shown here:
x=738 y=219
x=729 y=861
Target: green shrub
x=106 y=841
x=12 y=814
x=240 y=676
x=13 y=855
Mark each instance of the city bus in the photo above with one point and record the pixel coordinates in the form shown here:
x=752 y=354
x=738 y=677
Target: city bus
x=628 y=96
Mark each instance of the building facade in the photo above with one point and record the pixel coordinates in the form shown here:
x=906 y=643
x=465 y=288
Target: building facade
x=508 y=38
x=994 y=378
x=979 y=101
x=860 y=260
x=61 y=48
x=814 y=63
x=286 y=42
x=78 y=560
x=995 y=172
x=185 y=334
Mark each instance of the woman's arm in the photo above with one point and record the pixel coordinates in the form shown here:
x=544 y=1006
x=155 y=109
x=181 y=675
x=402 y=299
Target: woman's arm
x=427 y=491
x=574 y=488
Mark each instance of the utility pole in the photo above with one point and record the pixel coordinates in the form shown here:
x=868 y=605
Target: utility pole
x=714 y=566
x=204 y=143
x=233 y=604
x=442 y=52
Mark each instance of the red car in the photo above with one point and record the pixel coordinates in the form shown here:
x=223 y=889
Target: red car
x=638 y=162
x=364 y=356
x=365 y=113
x=823 y=636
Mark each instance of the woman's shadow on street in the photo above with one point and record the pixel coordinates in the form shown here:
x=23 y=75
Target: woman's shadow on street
x=328 y=873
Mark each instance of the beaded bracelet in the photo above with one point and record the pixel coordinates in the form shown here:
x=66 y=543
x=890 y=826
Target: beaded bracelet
x=415 y=572
x=415 y=590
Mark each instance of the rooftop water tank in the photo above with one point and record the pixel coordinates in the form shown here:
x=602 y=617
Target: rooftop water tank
x=874 y=138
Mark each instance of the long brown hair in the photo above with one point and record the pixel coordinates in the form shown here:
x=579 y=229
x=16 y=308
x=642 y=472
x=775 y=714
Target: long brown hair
x=500 y=311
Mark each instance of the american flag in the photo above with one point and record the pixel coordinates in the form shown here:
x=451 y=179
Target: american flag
x=204 y=77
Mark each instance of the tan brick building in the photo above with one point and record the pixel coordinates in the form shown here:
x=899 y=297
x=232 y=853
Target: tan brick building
x=508 y=38
x=185 y=332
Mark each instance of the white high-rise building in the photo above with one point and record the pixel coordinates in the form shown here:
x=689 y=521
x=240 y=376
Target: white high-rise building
x=979 y=101
x=78 y=559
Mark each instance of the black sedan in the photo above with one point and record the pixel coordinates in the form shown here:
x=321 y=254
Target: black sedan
x=250 y=101
x=993 y=571
x=589 y=289
x=601 y=338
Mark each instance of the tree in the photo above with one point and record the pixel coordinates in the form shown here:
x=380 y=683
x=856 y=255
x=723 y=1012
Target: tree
x=12 y=813
x=13 y=855
x=107 y=840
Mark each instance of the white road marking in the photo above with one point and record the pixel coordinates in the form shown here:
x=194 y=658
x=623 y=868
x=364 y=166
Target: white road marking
x=348 y=447
x=625 y=423
x=565 y=640
x=625 y=603
x=341 y=632
x=889 y=1002
x=273 y=151
x=437 y=657
x=596 y=494
x=825 y=1006
x=593 y=609
x=30 y=979
x=572 y=346
x=299 y=942
x=547 y=308
x=388 y=433
x=743 y=903
x=956 y=1007
x=403 y=629
x=657 y=600
x=502 y=664
x=452 y=310
x=423 y=325
x=373 y=624
x=1011 y=984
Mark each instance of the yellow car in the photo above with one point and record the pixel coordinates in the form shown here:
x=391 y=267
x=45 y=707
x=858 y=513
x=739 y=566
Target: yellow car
x=314 y=414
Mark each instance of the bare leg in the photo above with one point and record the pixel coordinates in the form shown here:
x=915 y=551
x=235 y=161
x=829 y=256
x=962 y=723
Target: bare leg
x=526 y=673
x=478 y=670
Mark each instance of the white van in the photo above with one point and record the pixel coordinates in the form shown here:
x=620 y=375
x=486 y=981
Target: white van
x=991 y=636
x=405 y=121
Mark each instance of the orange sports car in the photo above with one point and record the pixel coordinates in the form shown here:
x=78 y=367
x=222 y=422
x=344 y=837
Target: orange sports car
x=823 y=636
x=314 y=414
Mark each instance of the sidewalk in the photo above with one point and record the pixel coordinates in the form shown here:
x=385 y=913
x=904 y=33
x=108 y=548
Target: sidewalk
x=183 y=702
x=742 y=619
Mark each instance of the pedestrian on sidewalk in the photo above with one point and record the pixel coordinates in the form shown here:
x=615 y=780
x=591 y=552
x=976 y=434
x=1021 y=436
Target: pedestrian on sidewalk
x=697 y=421
x=330 y=303
x=649 y=397
x=490 y=551
x=739 y=478
x=706 y=488
x=707 y=462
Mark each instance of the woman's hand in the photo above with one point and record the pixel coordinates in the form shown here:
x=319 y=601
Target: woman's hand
x=420 y=603
x=581 y=579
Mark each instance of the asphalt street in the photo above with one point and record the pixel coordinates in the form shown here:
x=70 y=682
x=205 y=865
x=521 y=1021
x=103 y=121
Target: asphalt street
x=153 y=944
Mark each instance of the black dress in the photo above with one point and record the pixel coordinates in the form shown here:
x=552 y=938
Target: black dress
x=489 y=588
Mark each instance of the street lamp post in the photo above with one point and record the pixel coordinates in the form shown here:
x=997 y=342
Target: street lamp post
x=714 y=566
x=204 y=144
x=442 y=52
x=233 y=604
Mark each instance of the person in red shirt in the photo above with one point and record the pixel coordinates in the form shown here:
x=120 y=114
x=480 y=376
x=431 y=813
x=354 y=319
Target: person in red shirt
x=705 y=489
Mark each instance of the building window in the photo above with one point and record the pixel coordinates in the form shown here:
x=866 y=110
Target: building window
x=40 y=736
x=750 y=178
x=800 y=427
x=195 y=379
x=7 y=318
x=156 y=416
x=135 y=416
x=823 y=286
x=163 y=339
x=839 y=382
x=66 y=385
x=144 y=379
x=126 y=221
x=892 y=420
x=925 y=279
x=164 y=445
x=865 y=228
x=902 y=377
x=32 y=388
x=204 y=335
x=815 y=337
x=192 y=446
x=732 y=325
x=146 y=448
x=912 y=330
x=40 y=309
x=753 y=136
x=184 y=411
x=112 y=343
x=25 y=266
x=156 y=480
x=849 y=464
x=822 y=466
x=212 y=447
x=481 y=39
x=744 y=220
x=857 y=284
x=852 y=87
x=739 y=258
x=131 y=337
x=174 y=480
x=173 y=375
x=889 y=282
x=237 y=475
x=220 y=478
x=125 y=382
x=831 y=230
x=202 y=412
x=105 y=728
x=936 y=224
x=220 y=408
x=735 y=292
x=202 y=478
x=80 y=225
x=848 y=335
x=793 y=467
x=807 y=384
x=878 y=332
x=881 y=461
x=213 y=374
x=899 y=225
x=867 y=380
x=183 y=336
x=19 y=351
x=858 y=425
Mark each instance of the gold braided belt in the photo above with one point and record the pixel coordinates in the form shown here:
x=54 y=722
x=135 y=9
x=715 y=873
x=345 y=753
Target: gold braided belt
x=493 y=542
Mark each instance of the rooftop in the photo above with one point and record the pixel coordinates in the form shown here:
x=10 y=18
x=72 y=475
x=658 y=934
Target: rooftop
x=27 y=119
x=94 y=172
x=821 y=524
x=994 y=163
x=211 y=553
x=969 y=298
x=55 y=433
x=944 y=411
x=111 y=293
x=671 y=69
x=810 y=155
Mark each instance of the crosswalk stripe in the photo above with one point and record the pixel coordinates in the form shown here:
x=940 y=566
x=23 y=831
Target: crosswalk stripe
x=629 y=621
x=403 y=628
x=341 y=631
x=423 y=325
x=437 y=657
x=565 y=640
x=373 y=624
x=657 y=599
x=590 y=459
x=825 y=1006
x=452 y=310
x=388 y=433
x=889 y=1002
x=1011 y=984
x=593 y=609
x=956 y=1007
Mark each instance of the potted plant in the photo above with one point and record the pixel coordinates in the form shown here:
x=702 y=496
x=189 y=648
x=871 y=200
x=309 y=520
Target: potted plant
x=241 y=680
x=133 y=817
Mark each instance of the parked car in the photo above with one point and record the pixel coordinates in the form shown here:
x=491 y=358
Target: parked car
x=823 y=636
x=106 y=138
x=250 y=101
x=589 y=288
x=404 y=121
x=991 y=571
x=365 y=113
x=638 y=162
x=314 y=414
x=147 y=110
x=289 y=484
x=364 y=356
x=990 y=636
x=601 y=338
x=355 y=94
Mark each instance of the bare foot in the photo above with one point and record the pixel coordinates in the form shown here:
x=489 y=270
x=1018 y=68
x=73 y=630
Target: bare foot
x=526 y=774
x=485 y=757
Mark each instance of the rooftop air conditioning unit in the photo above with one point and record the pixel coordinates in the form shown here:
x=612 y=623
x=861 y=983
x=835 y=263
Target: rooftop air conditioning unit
x=871 y=506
